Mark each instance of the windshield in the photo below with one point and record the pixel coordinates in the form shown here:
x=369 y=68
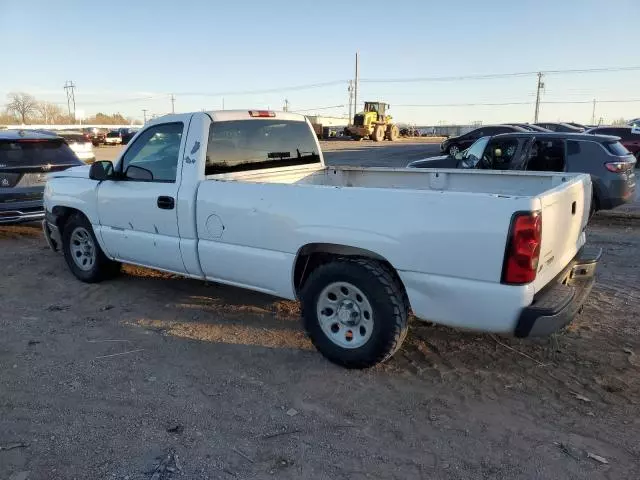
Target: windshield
x=243 y=145
x=470 y=157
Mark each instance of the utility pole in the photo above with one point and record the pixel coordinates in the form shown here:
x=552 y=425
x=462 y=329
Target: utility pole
x=69 y=88
x=173 y=103
x=285 y=108
x=222 y=103
x=593 y=113
x=144 y=114
x=350 y=90
x=355 y=94
x=539 y=90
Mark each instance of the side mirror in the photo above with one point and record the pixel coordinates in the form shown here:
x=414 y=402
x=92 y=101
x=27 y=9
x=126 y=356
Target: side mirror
x=102 y=170
x=138 y=173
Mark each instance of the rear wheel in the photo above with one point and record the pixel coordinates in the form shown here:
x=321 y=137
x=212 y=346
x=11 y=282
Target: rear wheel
x=83 y=254
x=378 y=133
x=355 y=312
x=392 y=133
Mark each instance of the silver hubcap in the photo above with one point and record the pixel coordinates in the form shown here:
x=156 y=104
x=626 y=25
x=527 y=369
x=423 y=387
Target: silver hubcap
x=454 y=150
x=345 y=315
x=83 y=250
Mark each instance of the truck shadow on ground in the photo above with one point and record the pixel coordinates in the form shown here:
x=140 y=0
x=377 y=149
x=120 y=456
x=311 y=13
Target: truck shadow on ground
x=555 y=366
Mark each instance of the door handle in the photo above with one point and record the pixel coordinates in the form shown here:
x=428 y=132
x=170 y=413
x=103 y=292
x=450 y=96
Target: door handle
x=166 y=203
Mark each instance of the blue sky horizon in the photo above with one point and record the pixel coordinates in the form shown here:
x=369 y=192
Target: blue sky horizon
x=129 y=56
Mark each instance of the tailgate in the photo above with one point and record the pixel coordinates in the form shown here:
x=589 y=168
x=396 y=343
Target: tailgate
x=565 y=213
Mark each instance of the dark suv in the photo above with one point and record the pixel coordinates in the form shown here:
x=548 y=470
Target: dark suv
x=25 y=159
x=629 y=137
x=453 y=145
x=610 y=165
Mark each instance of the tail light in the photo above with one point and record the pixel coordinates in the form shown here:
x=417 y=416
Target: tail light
x=523 y=249
x=618 y=167
x=262 y=113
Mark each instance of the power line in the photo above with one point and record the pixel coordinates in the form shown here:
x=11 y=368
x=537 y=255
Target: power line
x=491 y=76
x=268 y=90
x=501 y=104
x=317 y=108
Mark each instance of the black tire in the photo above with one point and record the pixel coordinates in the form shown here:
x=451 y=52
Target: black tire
x=455 y=149
x=386 y=297
x=102 y=268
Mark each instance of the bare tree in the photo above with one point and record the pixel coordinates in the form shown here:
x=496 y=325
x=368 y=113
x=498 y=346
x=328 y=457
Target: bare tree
x=21 y=105
x=50 y=112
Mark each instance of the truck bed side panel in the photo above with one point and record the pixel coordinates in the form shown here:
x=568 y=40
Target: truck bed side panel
x=452 y=234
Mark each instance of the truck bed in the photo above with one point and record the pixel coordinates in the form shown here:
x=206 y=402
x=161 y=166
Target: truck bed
x=507 y=183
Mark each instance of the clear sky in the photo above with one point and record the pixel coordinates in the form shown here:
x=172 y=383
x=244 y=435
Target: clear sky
x=120 y=53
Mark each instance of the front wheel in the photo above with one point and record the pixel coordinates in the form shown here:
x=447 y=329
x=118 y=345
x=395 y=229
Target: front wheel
x=355 y=311
x=83 y=254
x=453 y=150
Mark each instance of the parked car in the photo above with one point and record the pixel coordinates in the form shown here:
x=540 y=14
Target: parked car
x=610 y=165
x=26 y=157
x=529 y=127
x=80 y=144
x=629 y=137
x=560 y=127
x=453 y=145
x=113 y=138
x=128 y=135
x=251 y=203
x=95 y=135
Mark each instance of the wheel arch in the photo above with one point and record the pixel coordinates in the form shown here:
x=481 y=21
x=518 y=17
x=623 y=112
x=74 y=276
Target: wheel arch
x=311 y=255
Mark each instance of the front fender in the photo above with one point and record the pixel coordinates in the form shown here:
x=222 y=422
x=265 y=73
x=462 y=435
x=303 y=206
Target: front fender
x=76 y=193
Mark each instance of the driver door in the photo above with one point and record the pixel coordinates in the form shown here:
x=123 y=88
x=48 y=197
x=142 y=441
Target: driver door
x=138 y=213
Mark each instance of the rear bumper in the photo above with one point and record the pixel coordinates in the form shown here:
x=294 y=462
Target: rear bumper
x=616 y=193
x=21 y=205
x=558 y=303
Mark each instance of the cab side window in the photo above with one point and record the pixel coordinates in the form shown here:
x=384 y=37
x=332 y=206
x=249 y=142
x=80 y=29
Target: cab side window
x=154 y=155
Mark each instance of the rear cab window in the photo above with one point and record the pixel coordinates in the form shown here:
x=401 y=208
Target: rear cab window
x=244 y=145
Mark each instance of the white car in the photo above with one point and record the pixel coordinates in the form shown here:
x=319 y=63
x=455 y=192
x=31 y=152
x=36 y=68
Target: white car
x=80 y=144
x=244 y=198
x=113 y=138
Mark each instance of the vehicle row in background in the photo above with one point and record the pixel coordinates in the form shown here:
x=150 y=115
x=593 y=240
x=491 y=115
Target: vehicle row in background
x=80 y=144
x=609 y=163
x=120 y=136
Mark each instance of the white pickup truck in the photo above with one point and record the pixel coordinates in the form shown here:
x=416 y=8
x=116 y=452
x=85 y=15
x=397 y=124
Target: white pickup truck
x=244 y=198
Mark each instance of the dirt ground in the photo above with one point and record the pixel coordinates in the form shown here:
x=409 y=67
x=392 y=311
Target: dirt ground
x=152 y=374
